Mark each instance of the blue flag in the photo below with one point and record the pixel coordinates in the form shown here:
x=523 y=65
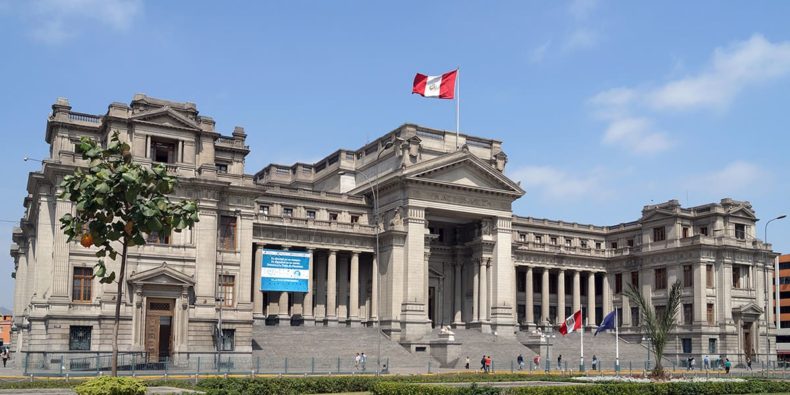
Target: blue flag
x=607 y=323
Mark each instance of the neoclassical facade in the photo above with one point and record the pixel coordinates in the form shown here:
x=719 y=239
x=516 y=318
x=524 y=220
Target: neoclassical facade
x=450 y=251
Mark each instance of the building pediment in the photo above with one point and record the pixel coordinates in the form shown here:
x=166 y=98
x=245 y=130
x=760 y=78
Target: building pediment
x=162 y=275
x=464 y=170
x=166 y=116
x=749 y=311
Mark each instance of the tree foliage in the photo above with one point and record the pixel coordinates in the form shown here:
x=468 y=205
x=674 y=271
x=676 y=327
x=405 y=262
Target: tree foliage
x=657 y=326
x=118 y=202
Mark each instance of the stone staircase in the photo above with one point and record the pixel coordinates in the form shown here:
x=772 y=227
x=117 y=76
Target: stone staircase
x=602 y=346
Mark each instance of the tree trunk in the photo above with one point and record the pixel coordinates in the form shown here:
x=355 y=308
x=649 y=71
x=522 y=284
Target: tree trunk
x=118 y=297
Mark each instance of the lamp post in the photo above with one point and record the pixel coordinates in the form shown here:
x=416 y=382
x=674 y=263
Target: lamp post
x=546 y=337
x=374 y=189
x=776 y=290
x=647 y=339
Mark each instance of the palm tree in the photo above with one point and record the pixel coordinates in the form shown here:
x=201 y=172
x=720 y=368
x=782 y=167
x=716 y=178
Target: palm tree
x=657 y=326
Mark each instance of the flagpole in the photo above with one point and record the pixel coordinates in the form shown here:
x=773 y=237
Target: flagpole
x=617 y=343
x=457 y=105
x=581 y=359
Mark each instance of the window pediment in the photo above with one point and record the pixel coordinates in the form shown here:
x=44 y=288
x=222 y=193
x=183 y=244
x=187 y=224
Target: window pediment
x=162 y=275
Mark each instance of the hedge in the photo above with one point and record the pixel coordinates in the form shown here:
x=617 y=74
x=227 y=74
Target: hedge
x=111 y=386
x=711 y=388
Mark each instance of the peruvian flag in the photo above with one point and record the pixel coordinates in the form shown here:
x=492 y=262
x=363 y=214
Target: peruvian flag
x=572 y=323
x=438 y=86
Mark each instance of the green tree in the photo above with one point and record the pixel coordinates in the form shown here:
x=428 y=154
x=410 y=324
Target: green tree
x=116 y=203
x=657 y=326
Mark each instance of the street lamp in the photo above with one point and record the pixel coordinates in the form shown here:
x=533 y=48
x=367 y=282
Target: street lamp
x=374 y=189
x=776 y=288
x=546 y=337
x=647 y=339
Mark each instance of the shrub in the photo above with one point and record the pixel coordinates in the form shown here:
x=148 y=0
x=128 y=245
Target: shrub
x=111 y=386
x=390 y=388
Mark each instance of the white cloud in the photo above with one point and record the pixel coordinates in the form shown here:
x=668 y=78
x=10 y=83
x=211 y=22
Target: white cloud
x=630 y=112
x=55 y=21
x=553 y=183
x=538 y=53
x=581 y=9
x=638 y=135
x=732 y=69
x=736 y=178
x=582 y=38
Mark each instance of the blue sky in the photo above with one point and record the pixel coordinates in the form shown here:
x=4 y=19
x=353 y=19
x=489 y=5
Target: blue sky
x=602 y=106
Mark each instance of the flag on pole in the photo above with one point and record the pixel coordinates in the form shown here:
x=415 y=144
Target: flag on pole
x=572 y=323
x=607 y=323
x=436 y=86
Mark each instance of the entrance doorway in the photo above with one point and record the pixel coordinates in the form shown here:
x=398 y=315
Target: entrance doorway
x=159 y=329
x=747 y=339
x=431 y=306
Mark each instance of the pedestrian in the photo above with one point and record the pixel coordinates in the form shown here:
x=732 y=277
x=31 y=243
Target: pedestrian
x=483 y=363
x=693 y=363
x=467 y=363
x=688 y=363
x=488 y=364
x=5 y=356
x=706 y=362
x=748 y=362
x=727 y=365
x=363 y=359
x=536 y=361
x=594 y=362
x=559 y=362
x=520 y=360
x=356 y=362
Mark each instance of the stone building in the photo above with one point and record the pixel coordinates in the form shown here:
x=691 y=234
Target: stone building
x=450 y=249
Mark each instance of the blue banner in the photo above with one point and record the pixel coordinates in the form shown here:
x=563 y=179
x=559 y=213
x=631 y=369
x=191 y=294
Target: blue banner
x=285 y=271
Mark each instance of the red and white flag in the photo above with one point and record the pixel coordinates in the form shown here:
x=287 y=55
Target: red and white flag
x=438 y=86
x=572 y=323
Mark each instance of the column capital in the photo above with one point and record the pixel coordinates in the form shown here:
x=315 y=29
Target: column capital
x=355 y=253
x=333 y=251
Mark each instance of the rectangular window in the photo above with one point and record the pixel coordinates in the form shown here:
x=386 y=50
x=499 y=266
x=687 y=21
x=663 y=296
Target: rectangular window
x=81 y=287
x=228 y=339
x=584 y=243
x=263 y=209
x=661 y=278
x=226 y=286
x=539 y=239
x=597 y=245
x=567 y=242
x=227 y=233
x=688 y=276
x=157 y=238
x=614 y=245
x=222 y=168
x=711 y=317
x=619 y=317
x=740 y=231
x=618 y=283
x=311 y=214
x=635 y=279
x=634 y=316
x=630 y=242
x=288 y=212
x=703 y=230
x=688 y=313
x=355 y=219
x=333 y=216
x=522 y=237
x=521 y=283
x=685 y=232
x=736 y=276
x=712 y=349
x=553 y=240
x=79 y=338
x=709 y=276
x=686 y=345
x=659 y=234
x=660 y=311
x=163 y=152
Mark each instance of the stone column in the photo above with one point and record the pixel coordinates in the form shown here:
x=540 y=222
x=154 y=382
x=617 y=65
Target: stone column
x=561 y=295
x=577 y=291
x=457 y=303
x=284 y=313
x=544 y=297
x=700 y=301
x=307 y=308
x=606 y=295
x=256 y=283
x=374 y=291
x=331 y=289
x=530 y=304
x=354 y=289
x=475 y=292
x=483 y=291
x=591 y=298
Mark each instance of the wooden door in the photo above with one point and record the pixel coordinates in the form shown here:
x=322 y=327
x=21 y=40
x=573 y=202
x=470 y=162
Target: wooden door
x=156 y=309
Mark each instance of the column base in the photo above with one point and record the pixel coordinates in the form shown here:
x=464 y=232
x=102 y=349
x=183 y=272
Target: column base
x=354 y=322
x=331 y=322
x=283 y=320
x=309 y=320
x=458 y=324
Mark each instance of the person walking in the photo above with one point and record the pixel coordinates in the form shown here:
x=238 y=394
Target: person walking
x=559 y=362
x=5 y=356
x=483 y=364
x=688 y=363
x=356 y=362
x=749 y=362
x=520 y=360
x=594 y=362
x=727 y=365
x=363 y=359
x=706 y=362
x=488 y=364
x=467 y=363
